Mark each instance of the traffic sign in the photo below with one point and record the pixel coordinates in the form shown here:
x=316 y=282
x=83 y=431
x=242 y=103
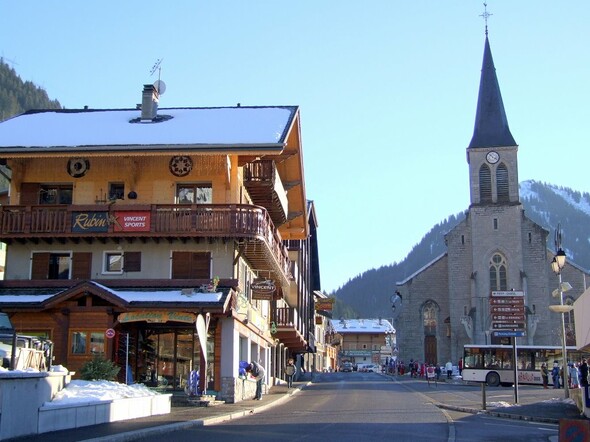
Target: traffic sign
x=110 y=333
x=505 y=325
x=509 y=333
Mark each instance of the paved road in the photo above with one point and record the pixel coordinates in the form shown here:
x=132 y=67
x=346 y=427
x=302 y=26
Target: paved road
x=369 y=407
x=336 y=407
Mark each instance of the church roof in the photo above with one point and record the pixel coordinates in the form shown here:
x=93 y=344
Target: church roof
x=491 y=125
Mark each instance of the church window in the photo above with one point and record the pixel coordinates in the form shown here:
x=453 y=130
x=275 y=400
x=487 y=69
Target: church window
x=495 y=223
x=485 y=184
x=429 y=314
x=498 y=273
x=502 y=182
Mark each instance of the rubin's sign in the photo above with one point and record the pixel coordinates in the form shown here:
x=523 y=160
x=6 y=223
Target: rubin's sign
x=99 y=222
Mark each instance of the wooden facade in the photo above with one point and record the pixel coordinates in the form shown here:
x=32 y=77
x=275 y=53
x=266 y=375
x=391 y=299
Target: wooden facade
x=97 y=226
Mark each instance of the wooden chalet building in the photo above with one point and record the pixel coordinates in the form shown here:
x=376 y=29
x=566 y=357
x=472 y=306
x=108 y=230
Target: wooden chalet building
x=138 y=220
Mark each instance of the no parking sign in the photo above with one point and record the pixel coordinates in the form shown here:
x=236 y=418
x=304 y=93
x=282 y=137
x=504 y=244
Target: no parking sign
x=110 y=333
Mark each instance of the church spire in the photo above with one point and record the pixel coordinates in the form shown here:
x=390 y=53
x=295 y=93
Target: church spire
x=491 y=125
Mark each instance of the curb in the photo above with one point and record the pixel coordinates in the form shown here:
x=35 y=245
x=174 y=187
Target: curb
x=161 y=429
x=544 y=420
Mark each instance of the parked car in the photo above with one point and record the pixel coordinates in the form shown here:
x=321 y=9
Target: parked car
x=347 y=366
x=373 y=368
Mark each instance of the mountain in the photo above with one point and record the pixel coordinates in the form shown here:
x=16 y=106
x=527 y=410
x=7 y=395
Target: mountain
x=17 y=96
x=368 y=294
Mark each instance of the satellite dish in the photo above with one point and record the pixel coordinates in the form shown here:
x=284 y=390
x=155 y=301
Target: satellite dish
x=160 y=86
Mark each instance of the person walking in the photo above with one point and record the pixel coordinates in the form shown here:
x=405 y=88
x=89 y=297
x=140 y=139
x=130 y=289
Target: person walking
x=583 y=368
x=290 y=372
x=573 y=375
x=449 y=368
x=257 y=371
x=555 y=375
x=545 y=375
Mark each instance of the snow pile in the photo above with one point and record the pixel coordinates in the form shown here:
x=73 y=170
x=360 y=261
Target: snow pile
x=78 y=391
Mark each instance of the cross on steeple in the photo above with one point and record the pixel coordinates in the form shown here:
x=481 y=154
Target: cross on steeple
x=485 y=16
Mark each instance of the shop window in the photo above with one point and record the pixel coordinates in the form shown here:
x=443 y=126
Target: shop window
x=83 y=343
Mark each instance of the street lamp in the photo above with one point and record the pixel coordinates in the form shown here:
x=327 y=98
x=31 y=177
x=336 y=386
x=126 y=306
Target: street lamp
x=557 y=266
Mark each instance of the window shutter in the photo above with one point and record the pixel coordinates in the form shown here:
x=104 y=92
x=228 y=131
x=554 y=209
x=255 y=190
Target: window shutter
x=40 y=266
x=191 y=265
x=132 y=262
x=485 y=184
x=82 y=265
x=29 y=194
x=502 y=183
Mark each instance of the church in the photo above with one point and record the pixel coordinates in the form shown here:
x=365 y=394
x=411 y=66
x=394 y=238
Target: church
x=495 y=249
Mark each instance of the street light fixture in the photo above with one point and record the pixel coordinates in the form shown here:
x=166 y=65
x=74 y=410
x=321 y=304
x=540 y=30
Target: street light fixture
x=557 y=266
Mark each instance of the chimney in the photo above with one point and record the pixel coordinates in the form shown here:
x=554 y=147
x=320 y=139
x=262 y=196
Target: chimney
x=149 y=103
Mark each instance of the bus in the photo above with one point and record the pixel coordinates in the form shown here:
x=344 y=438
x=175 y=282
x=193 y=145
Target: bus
x=492 y=364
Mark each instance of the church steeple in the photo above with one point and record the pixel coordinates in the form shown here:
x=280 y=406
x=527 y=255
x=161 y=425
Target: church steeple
x=491 y=125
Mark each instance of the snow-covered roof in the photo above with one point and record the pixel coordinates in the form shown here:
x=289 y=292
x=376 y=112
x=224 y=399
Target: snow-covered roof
x=362 y=326
x=95 y=130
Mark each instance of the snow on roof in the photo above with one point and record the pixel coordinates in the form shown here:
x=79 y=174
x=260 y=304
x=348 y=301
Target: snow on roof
x=362 y=326
x=94 y=129
x=168 y=296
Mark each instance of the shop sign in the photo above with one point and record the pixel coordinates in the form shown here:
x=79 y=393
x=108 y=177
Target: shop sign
x=263 y=289
x=324 y=304
x=318 y=320
x=157 y=316
x=137 y=221
x=90 y=222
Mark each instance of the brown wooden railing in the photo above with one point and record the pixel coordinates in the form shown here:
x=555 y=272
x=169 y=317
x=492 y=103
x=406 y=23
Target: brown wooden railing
x=286 y=317
x=202 y=220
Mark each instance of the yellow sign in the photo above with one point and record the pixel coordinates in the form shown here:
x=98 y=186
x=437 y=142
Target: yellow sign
x=157 y=316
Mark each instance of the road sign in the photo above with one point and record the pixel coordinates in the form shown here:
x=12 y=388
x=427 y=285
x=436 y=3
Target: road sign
x=507 y=325
x=110 y=333
x=508 y=318
x=509 y=333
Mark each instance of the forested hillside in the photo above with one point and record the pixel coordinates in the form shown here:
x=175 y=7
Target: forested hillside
x=17 y=96
x=368 y=294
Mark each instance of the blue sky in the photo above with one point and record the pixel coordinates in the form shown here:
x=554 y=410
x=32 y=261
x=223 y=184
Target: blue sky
x=387 y=91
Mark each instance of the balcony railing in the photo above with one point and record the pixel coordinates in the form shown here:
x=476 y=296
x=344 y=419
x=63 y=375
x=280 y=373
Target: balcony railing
x=161 y=220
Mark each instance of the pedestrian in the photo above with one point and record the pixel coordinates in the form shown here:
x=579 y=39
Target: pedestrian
x=545 y=375
x=555 y=375
x=460 y=366
x=437 y=371
x=573 y=375
x=583 y=373
x=257 y=371
x=449 y=368
x=290 y=372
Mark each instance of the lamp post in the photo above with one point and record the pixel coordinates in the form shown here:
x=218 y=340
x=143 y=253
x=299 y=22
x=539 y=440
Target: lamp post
x=557 y=265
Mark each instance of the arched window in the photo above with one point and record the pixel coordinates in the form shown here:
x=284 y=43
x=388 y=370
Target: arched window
x=485 y=184
x=429 y=315
x=502 y=183
x=498 y=273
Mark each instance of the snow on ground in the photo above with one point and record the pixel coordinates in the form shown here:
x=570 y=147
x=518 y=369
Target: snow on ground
x=78 y=391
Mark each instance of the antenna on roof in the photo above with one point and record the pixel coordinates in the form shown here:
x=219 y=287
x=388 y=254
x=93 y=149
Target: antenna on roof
x=158 y=84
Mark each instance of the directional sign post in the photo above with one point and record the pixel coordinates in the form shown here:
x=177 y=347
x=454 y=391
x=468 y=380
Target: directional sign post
x=509 y=320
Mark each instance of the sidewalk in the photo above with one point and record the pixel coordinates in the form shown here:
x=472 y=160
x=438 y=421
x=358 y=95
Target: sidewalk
x=535 y=404
x=182 y=415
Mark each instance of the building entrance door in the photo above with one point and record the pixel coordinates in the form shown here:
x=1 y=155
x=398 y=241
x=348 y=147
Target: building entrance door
x=430 y=350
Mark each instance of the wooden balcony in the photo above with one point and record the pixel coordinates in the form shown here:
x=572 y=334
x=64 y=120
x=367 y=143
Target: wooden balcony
x=286 y=320
x=249 y=225
x=266 y=189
